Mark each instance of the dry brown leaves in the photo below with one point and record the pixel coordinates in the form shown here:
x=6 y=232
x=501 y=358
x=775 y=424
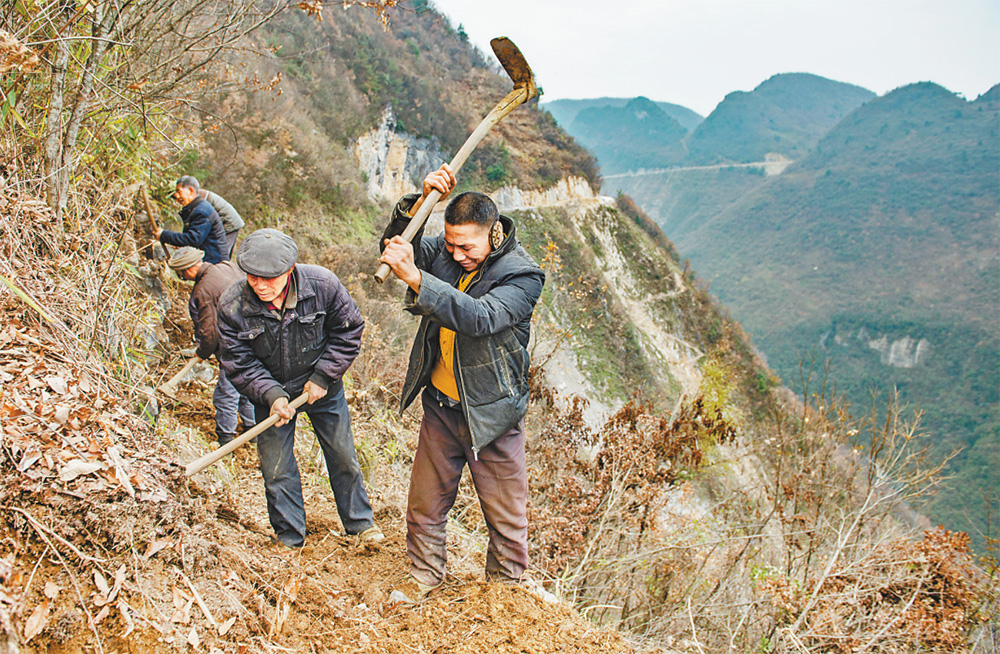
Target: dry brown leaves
x=631 y=461
x=62 y=431
x=314 y=8
x=14 y=54
x=905 y=595
x=66 y=423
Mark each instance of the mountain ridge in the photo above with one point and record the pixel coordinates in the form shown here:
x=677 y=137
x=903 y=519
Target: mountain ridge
x=887 y=227
x=565 y=110
x=786 y=114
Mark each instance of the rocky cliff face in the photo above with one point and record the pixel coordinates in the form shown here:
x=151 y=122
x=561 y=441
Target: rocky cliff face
x=904 y=352
x=566 y=191
x=395 y=162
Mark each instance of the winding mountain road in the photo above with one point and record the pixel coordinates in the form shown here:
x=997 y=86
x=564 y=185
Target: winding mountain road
x=770 y=168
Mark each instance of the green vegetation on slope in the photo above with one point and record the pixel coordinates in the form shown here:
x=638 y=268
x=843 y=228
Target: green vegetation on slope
x=891 y=226
x=281 y=150
x=638 y=135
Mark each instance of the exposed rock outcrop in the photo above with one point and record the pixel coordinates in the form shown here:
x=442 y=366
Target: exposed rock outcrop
x=394 y=162
x=906 y=352
x=567 y=190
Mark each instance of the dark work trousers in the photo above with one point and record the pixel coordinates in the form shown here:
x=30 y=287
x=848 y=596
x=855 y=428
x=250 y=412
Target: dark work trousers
x=230 y=243
x=282 y=485
x=228 y=402
x=501 y=482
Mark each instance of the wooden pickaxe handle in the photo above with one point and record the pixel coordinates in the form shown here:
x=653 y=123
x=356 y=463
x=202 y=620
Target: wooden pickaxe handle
x=149 y=208
x=195 y=467
x=168 y=387
x=518 y=96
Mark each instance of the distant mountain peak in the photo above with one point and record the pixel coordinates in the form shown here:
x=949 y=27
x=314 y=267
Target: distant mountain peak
x=990 y=99
x=787 y=113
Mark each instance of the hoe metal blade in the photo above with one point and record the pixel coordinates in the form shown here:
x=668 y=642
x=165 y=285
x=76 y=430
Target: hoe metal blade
x=515 y=64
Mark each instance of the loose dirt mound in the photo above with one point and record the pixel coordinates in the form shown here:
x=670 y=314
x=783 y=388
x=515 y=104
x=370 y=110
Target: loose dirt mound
x=138 y=579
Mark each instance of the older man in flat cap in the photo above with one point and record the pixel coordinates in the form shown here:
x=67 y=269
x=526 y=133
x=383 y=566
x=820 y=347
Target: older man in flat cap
x=210 y=280
x=287 y=329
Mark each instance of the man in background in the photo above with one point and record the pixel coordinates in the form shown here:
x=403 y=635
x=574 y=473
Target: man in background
x=210 y=280
x=202 y=226
x=232 y=222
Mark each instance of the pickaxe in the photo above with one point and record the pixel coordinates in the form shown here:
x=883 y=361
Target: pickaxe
x=524 y=89
x=197 y=466
x=170 y=388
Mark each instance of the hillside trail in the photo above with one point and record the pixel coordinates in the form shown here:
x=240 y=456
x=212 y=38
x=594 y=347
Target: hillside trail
x=333 y=594
x=771 y=166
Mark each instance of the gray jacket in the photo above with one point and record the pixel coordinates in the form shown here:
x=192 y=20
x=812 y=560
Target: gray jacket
x=270 y=354
x=231 y=219
x=491 y=321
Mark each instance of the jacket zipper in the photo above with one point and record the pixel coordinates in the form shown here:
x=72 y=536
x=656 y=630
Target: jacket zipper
x=464 y=404
x=458 y=370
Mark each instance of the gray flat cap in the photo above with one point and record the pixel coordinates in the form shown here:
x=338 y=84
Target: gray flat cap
x=267 y=253
x=185 y=257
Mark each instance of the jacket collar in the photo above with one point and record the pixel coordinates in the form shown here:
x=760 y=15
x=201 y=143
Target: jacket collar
x=509 y=240
x=205 y=267
x=508 y=244
x=185 y=212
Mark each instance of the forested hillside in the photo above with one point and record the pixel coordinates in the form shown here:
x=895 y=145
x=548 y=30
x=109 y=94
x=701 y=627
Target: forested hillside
x=680 y=500
x=787 y=114
x=638 y=135
x=565 y=111
x=877 y=251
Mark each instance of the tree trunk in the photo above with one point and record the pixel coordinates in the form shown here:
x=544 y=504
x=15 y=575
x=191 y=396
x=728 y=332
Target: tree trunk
x=102 y=20
x=53 y=123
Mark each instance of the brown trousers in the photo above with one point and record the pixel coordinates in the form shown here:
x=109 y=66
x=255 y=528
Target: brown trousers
x=501 y=481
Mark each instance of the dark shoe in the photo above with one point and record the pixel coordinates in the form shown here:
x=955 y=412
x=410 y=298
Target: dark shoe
x=281 y=547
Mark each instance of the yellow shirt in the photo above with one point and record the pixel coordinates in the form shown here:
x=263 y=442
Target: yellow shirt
x=443 y=375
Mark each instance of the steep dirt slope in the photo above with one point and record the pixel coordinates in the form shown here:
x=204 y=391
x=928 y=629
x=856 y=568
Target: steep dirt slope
x=108 y=548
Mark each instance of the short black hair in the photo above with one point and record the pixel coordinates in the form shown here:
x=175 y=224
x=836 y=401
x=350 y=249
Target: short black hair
x=473 y=208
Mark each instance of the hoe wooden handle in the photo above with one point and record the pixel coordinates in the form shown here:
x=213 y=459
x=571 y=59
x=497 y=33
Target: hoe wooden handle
x=195 y=467
x=149 y=208
x=169 y=387
x=518 y=96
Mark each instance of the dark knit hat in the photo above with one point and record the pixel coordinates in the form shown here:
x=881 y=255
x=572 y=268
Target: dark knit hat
x=185 y=257
x=267 y=253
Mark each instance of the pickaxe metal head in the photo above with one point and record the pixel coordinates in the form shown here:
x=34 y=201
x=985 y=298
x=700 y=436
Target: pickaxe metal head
x=515 y=64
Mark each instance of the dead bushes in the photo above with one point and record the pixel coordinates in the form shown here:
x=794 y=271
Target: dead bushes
x=796 y=536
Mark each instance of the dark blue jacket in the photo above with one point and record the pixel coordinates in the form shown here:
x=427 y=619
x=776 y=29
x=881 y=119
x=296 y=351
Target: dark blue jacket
x=492 y=325
x=202 y=229
x=270 y=354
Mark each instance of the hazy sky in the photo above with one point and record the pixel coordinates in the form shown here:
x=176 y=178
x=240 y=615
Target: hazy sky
x=694 y=52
